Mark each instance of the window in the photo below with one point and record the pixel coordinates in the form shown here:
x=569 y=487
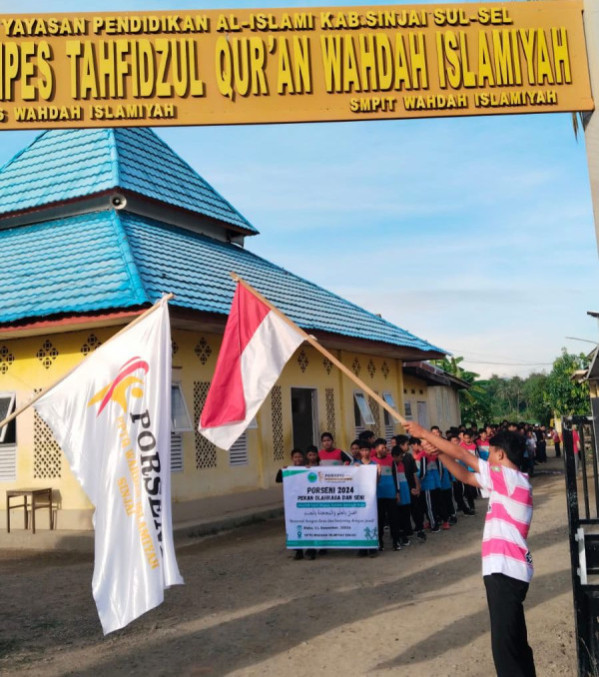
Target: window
x=408 y=410
x=180 y=423
x=364 y=413
x=389 y=420
x=238 y=453
x=8 y=439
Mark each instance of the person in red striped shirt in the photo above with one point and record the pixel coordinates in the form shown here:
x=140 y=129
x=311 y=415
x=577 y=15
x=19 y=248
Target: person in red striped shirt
x=507 y=563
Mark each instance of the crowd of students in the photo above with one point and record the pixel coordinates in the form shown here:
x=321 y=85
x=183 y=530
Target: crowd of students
x=416 y=494
x=426 y=481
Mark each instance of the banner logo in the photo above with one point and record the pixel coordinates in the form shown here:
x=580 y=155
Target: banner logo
x=117 y=391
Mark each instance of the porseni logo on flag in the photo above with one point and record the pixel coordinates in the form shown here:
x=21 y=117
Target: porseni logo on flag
x=112 y=418
x=117 y=390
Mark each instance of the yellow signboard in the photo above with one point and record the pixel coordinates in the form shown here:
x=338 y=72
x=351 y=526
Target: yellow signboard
x=292 y=65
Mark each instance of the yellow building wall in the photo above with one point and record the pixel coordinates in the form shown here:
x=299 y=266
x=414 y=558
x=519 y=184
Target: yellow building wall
x=27 y=364
x=414 y=391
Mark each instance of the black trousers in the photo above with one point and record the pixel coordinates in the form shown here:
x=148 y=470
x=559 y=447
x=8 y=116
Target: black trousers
x=448 y=506
x=470 y=494
x=417 y=514
x=458 y=494
x=387 y=509
x=542 y=451
x=405 y=523
x=511 y=654
x=464 y=493
x=557 y=449
x=428 y=503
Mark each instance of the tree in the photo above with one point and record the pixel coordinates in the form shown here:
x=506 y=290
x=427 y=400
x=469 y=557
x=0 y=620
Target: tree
x=534 y=389
x=564 y=396
x=475 y=404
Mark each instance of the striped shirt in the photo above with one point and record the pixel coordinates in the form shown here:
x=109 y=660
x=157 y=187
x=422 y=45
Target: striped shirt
x=507 y=523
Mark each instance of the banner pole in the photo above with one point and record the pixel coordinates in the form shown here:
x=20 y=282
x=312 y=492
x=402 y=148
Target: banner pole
x=35 y=398
x=315 y=344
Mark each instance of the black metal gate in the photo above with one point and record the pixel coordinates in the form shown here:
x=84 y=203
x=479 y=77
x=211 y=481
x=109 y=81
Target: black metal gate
x=582 y=489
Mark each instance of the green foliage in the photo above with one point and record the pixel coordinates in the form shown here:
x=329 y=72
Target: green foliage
x=563 y=395
x=534 y=399
x=475 y=404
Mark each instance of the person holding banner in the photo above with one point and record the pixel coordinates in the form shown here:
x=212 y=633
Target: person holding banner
x=365 y=459
x=297 y=460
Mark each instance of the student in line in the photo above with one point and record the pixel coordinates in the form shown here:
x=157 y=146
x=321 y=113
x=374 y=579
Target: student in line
x=386 y=496
x=404 y=497
x=329 y=454
x=297 y=459
x=312 y=457
x=364 y=446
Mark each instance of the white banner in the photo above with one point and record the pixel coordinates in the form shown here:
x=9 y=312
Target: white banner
x=331 y=507
x=112 y=418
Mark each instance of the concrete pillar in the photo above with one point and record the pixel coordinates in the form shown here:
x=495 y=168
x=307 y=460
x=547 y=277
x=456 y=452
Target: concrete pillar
x=591 y=28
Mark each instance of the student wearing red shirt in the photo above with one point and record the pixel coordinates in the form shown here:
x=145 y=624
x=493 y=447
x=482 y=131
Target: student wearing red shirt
x=329 y=455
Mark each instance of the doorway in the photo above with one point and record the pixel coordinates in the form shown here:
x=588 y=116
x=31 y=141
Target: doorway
x=304 y=417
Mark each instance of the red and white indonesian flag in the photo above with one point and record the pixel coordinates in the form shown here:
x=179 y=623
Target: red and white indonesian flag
x=256 y=345
x=112 y=418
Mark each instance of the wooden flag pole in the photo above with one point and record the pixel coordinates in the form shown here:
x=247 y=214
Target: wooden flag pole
x=35 y=398
x=315 y=344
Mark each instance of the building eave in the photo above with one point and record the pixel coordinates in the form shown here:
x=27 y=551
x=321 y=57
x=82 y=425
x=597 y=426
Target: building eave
x=434 y=375
x=191 y=320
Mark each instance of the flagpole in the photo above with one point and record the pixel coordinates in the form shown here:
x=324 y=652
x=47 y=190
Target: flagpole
x=315 y=344
x=35 y=398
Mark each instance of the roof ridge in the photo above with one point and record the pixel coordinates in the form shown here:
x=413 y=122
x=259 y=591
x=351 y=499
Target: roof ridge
x=138 y=288
x=202 y=179
x=114 y=156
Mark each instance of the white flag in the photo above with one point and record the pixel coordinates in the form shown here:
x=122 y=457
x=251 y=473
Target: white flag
x=112 y=418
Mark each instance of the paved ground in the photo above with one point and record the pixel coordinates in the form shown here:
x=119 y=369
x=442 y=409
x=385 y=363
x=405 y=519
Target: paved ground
x=248 y=609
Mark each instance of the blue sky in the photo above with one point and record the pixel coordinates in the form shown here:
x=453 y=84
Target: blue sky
x=474 y=233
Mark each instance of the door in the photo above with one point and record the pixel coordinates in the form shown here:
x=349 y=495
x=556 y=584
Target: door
x=304 y=417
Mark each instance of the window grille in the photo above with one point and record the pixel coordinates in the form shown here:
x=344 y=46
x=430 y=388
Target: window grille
x=238 y=453
x=176 y=452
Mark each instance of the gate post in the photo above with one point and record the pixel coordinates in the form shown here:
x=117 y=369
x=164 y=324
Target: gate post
x=591 y=124
x=573 y=522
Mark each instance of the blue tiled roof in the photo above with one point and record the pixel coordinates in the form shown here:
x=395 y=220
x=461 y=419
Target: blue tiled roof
x=110 y=260
x=77 y=264
x=63 y=164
